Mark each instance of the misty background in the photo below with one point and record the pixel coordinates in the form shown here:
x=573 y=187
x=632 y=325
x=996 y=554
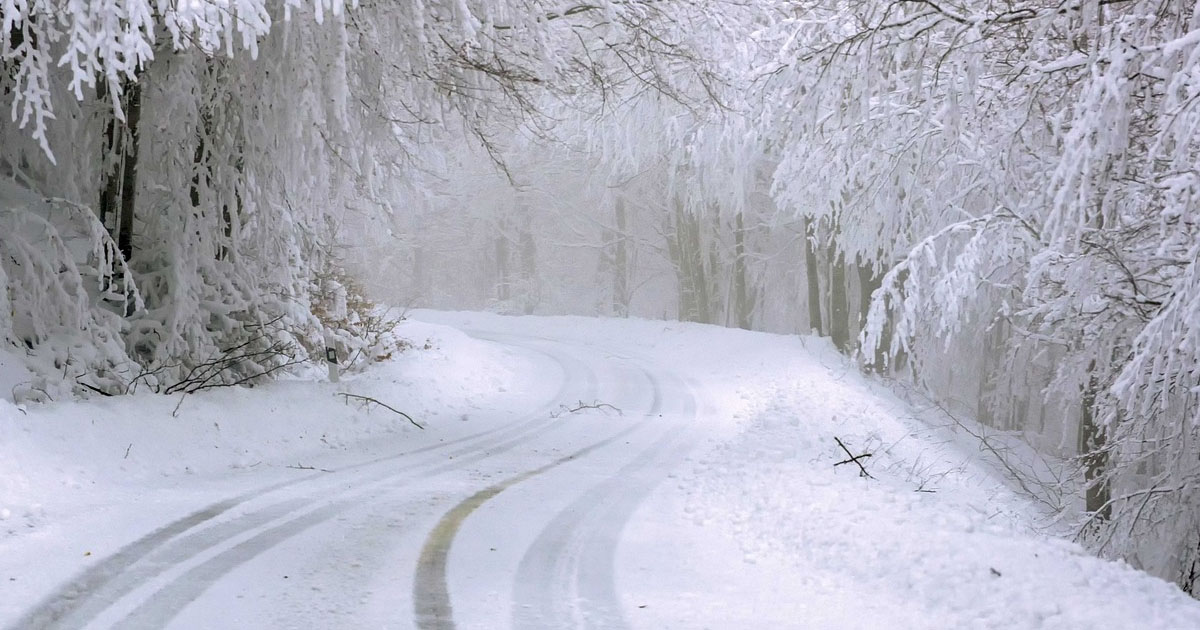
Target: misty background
x=994 y=206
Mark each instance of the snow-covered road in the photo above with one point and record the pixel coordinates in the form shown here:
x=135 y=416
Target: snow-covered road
x=529 y=510
x=574 y=474
x=538 y=546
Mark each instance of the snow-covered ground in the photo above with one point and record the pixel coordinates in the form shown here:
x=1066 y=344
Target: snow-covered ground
x=695 y=488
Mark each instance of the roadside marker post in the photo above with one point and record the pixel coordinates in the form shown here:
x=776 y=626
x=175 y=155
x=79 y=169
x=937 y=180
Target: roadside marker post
x=331 y=356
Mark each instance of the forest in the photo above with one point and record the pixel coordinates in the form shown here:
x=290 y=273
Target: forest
x=991 y=205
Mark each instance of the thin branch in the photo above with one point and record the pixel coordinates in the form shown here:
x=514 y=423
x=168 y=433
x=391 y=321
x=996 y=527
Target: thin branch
x=367 y=400
x=853 y=458
x=302 y=467
x=583 y=406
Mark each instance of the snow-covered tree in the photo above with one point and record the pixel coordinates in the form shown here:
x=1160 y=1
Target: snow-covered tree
x=1024 y=173
x=224 y=147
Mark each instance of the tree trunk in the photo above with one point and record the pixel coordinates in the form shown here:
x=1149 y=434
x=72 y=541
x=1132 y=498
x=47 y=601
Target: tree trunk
x=133 y=112
x=839 y=310
x=868 y=282
x=128 y=178
x=198 y=167
x=671 y=231
x=231 y=214
x=688 y=256
x=743 y=301
x=1093 y=455
x=528 y=254
x=821 y=245
x=110 y=171
x=689 y=259
x=227 y=227
x=710 y=293
x=620 y=271
x=503 y=282
x=814 y=281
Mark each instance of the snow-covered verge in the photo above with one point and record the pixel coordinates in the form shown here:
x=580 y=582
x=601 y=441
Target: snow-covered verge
x=48 y=452
x=67 y=468
x=933 y=540
x=937 y=537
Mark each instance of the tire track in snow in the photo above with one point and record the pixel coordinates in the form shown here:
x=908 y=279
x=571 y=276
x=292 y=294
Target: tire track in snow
x=76 y=603
x=431 y=598
x=169 y=600
x=567 y=576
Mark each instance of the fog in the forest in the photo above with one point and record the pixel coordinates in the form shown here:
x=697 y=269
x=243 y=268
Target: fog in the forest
x=989 y=206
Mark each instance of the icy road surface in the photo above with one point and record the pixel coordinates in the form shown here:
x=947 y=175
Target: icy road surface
x=574 y=473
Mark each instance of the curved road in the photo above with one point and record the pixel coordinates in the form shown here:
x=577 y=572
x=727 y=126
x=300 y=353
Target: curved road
x=516 y=526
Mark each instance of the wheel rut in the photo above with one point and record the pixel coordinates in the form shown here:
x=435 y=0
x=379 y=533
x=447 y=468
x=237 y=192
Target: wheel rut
x=211 y=530
x=566 y=578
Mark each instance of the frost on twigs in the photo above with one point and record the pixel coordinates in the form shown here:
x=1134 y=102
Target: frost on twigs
x=58 y=265
x=364 y=332
x=265 y=350
x=262 y=353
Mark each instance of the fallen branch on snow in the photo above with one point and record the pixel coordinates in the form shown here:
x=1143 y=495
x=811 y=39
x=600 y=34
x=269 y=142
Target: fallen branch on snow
x=853 y=459
x=302 y=467
x=582 y=406
x=367 y=400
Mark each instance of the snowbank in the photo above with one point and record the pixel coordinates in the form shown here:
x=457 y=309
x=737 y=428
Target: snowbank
x=54 y=457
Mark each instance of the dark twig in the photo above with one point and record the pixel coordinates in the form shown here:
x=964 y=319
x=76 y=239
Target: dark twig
x=853 y=458
x=94 y=388
x=367 y=400
x=217 y=371
x=582 y=406
x=302 y=467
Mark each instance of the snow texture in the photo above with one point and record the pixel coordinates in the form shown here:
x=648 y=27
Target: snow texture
x=758 y=528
